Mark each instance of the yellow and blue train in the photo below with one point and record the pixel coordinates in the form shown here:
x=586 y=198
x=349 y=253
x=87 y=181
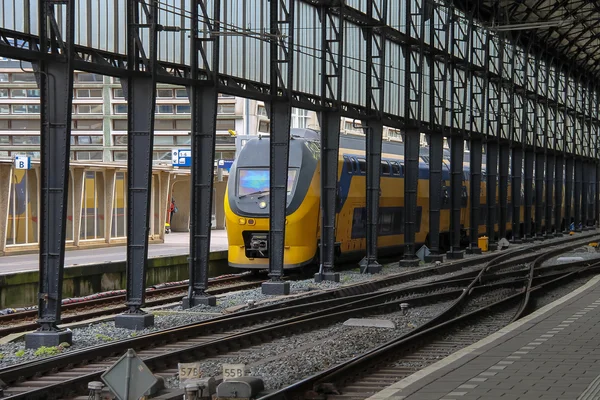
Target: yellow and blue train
x=247 y=201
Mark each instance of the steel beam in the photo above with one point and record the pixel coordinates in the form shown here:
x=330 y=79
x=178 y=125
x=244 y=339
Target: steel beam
x=413 y=102
x=282 y=19
x=374 y=131
x=503 y=189
x=577 y=212
x=569 y=166
x=203 y=101
x=141 y=95
x=549 y=195
x=411 y=178
x=584 y=193
x=529 y=227
x=597 y=190
x=435 y=196
x=491 y=182
x=332 y=44
x=55 y=79
x=456 y=186
x=539 y=194
x=375 y=78
x=516 y=187
x=558 y=195
x=475 y=195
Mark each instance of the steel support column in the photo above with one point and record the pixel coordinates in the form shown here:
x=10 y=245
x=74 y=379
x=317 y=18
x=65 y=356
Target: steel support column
x=55 y=78
x=529 y=227
x=457 y=146
x=569 y=166
x=539 y=194
x=374 y=133
x=141 y=95
x=491 y=182
x=280 y=110
x=503 y=189
x=558 y=195
x=332 y=44
x=375 y=78
x=577 y=194
x=515 y=187
x=584 y=194
x=203 y=101
x=436 y=143
x=475 y=195
x=411 y=179
x=597 y=191
x=549 y=195
x=413 y=61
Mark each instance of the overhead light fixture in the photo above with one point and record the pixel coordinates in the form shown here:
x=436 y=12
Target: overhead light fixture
x=529 y=25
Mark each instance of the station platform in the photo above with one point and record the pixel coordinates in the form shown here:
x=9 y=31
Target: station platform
x=176 y=243
x=553 y=353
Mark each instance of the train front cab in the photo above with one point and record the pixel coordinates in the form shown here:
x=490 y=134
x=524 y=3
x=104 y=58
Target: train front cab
x=247 y=205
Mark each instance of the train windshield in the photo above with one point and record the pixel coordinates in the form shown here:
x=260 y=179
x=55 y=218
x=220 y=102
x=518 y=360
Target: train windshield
x=255 y=181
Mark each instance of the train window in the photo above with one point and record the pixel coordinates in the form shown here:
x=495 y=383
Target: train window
x=385 y=167
x=354 y=165
x=362 y=165
x=395 y=168
x=348 y=165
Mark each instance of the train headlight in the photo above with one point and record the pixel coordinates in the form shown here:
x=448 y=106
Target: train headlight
x=262 y=204
x=242 y=221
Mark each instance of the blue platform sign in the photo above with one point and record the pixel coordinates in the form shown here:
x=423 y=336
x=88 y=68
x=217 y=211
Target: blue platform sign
x=225 y=164
x=181 y=157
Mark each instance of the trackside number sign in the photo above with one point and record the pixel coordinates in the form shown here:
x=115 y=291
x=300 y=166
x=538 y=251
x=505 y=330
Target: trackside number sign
x=231 y=371
x=188 y=371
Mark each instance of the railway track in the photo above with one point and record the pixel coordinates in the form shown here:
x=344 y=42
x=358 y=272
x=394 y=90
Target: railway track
x=24 y=321
x=456 y=328
x=68 y=374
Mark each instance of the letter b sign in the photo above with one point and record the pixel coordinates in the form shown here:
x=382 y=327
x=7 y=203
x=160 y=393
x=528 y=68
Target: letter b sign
x=22 y=162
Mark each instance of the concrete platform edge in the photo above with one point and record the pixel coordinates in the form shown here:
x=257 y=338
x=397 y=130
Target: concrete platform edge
x=395 y=391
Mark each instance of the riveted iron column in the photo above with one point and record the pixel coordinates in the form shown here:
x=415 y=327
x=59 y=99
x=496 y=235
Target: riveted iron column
x=515 y=187
x=558 y=195
x=55 y=78
x=491 y=182
x=569 y=166
x=411 y=177
x=280 y=110
x=437 y=105
x=332 y=44
x=436 y=142
x=374 y=133
x=375 y=78
x=549 y=195
x=584 y=193
x=203 y=100
x=577 y=193
x=475 y=194
x=528 y=195
x=457 y=146
x=503 y=189
x=413 y=58
x=459 y=44
x=141 y=94
x=597 y=189
x=539 y=194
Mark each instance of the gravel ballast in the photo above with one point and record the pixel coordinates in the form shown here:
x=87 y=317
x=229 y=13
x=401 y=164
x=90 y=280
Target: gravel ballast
x=288 y=359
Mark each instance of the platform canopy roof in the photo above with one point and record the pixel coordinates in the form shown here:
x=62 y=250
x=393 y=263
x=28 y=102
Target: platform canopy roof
x=567 y=29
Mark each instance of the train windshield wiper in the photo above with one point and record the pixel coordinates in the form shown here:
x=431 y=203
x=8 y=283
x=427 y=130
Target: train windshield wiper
x=254 y=193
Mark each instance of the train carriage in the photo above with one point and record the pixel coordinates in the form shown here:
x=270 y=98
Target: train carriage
x=247 y=201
